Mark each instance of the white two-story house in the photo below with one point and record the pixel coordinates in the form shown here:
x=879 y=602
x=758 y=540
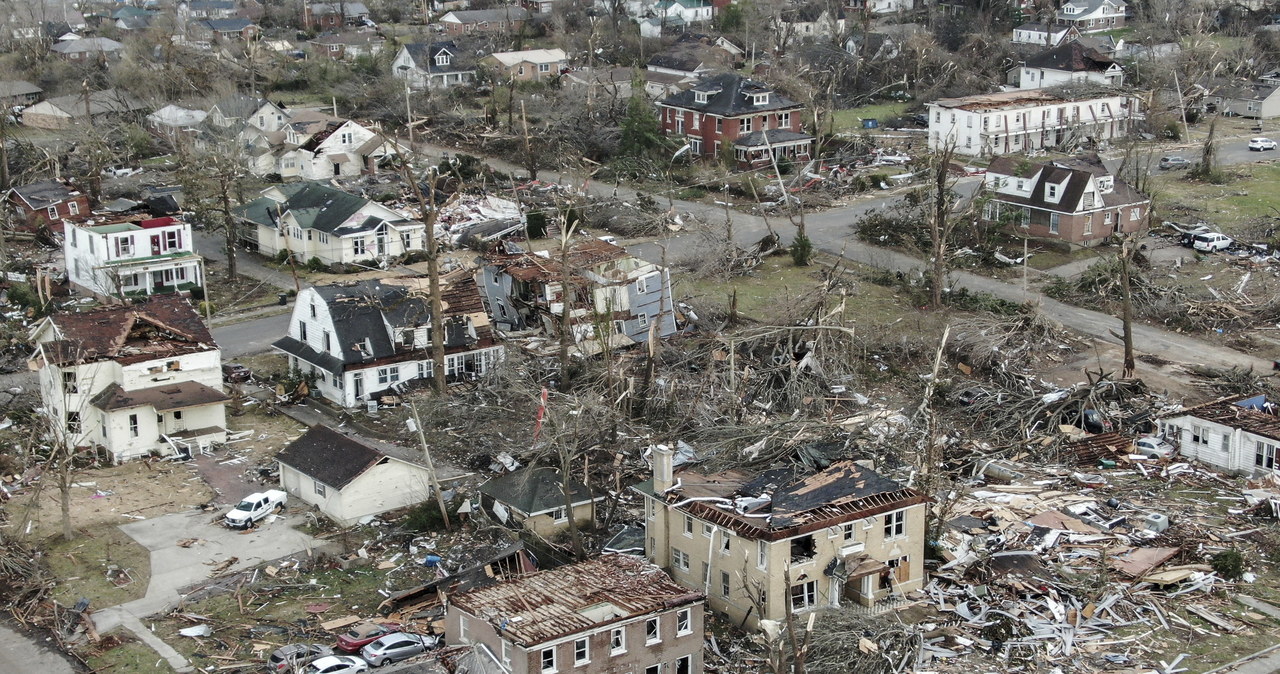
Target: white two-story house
x=1022 y=120
x=360 y=341
x=131 y=258
x=137 y=379
x=432 y=65
x=312 y=220
x=1240 y=434
x=1069 y=63
x=312 y=145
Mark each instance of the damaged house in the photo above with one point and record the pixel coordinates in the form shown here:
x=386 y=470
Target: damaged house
x=533 y=498
x=137 y=380
x=365 y=339
x=313 y=220
x=614 y=613
x=613 y=293
x=1031 y=119
x=1077 y=200
x=1239 y=434
x=312 y=145
x=760 y=124
x=130 y=257
x=844 y=534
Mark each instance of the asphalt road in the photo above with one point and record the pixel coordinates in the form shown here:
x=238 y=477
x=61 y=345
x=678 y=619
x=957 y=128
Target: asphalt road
x=252 y=336
x=20 y=652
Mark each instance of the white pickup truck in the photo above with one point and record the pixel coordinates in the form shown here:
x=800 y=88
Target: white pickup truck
x=255 y=507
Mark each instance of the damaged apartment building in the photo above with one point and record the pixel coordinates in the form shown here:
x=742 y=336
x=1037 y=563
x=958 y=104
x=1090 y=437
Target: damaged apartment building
x=613 y=293
x=760 y=544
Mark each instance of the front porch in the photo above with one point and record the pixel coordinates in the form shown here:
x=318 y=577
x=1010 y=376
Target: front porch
x=763 y=148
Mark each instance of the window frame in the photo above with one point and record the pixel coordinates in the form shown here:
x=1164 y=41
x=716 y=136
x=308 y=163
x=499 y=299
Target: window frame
x=617 y=641
x=895 y=525
x=685 y=616
x=652 y=631
x=542 y=661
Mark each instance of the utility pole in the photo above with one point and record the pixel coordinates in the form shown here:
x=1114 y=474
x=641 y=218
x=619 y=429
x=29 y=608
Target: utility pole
x=431 y=466
x=408 y=113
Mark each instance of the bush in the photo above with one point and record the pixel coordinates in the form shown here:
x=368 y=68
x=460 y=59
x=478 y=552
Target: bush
x=1229 y=564
x=316 y=264
x=425 y=517
x=801 y=251
x=282 y=257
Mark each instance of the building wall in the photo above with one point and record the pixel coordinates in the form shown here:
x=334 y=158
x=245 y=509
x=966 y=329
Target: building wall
x=1040 y=78
x=1018 y=129
x=1080 y=228
x=73 y=209
x=308 y=243
x=454 y=28
x=546 y=526
x=1218 y=445
x=747 y=576
x=462 y=627
x=527 y=71
x=389 y=485
x=86 y=254
x=690 y=124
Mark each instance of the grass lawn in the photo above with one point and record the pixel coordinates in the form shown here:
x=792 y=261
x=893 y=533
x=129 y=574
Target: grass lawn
x=81 y=566
x=125 y=656
x=851 y=120
x=1249 y=198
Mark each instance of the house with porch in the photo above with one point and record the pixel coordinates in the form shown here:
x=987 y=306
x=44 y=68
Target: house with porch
x=729 y=112
x=845 y=534
x=1076 y=200
x=1092 y=16
x=1237 y=434
x=613 y=295
x=313 y=145
x=432 y=65
x=131 y=257
x=361 y=341
x=1031 y=119
x=137 y=379
x=313 y=220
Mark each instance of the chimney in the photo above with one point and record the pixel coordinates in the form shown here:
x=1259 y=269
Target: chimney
x=662 y=468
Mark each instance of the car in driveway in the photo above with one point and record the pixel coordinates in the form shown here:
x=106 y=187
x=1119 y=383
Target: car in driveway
x=337 y=664
x=396 y=647
x=1173 y=163
x=234 y=373
x=362 y=634
x=295 y=656
x=1261 y=144
x=1153 y=447
x=1211 y=242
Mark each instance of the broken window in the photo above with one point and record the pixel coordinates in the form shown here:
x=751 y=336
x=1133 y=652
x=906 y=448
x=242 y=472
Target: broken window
x=560 y=514
x=684 y=622
x=133 y=425
x=69 y=384
x=803 y=549
x=679 y=559
x=804 y=596
x=895 y=524
x=762 y=554
x=617 y=641
x=548 y=660
x=684 y=664
x=73 y=422
x=652 y=631
x=1265 y=455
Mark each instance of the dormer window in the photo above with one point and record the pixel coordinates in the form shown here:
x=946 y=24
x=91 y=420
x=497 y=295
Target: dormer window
x=1051 y=191
x=760 y=99
x=700 y=96
x=1022 y=185
x=443 y=58
x=1106 y=184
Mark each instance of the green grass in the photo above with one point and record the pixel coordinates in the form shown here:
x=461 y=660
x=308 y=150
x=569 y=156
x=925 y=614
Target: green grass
x=851 y=120
x=81 y=566
x=127 y=656
x=1248 y=198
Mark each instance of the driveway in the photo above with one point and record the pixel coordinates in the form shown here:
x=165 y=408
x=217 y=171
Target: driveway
x=21 y=652
x=174 y=568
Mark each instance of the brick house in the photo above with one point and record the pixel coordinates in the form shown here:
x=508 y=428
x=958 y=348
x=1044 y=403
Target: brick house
x=347 y=46
x=844 y=535
x=1075 y=200
x=615 y=613
x=509 y=19
x=48 y=202
x=333 y=15
x=730 y=112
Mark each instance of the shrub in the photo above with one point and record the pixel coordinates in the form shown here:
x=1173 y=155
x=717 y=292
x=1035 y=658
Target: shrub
x=801 y=250
x=424 y=517
x=316 y=264
x=282 y=257
x=1229 y=564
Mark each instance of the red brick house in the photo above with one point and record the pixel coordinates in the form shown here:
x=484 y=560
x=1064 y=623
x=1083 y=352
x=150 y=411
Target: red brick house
x=1075 y=200
x=48 y=202
x=333 y=15
x=731 y=113
x=507 y=19
x=347 y=46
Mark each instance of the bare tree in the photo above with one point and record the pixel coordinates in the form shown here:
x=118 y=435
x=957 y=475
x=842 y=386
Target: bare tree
x=214 y=176
x=429 y=213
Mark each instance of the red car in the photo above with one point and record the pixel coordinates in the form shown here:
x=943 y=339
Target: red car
x=360 y=635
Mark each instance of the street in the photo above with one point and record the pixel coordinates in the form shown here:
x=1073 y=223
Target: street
x=20 y=652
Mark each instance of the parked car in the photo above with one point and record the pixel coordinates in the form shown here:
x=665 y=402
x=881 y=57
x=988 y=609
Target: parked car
x=1260 y=144
x=362 y=634
x=120 y=171
x=396 y=647
x=235 y=373
x=337 y=664
x=1153 y=447
x=1212 y=242
x=1091 y=421
x=1173 y=163
x=254 y=507
x=295 y=656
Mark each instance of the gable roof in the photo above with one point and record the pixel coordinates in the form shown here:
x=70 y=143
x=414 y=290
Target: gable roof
x=547 y=605
x=87 y=44
x=100 y=102
x=729 y=95
x=1074 y=173
x=232 y=25
x=511 y=58
x=1072 y=57
x=508 y=13
x=238 y=106
x=352 y=9
x=18 y=88
x=164 y=325
x=534 y=490
x=330 y=457
x=45 y=193
x=314 y=205
x=424 y=56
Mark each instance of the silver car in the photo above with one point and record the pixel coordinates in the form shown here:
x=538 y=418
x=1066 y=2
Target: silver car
x=294 y=656
x=396 y=647
x=1153 y=447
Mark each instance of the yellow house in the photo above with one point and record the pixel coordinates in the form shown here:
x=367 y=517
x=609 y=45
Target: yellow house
x=533 y=499
x=763 y=543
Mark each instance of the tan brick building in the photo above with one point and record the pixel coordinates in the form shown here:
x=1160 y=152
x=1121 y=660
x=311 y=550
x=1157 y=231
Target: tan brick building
x=761 y=544
x=615 y=614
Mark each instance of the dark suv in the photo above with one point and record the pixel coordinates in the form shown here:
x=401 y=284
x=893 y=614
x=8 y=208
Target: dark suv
x=234 y=373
